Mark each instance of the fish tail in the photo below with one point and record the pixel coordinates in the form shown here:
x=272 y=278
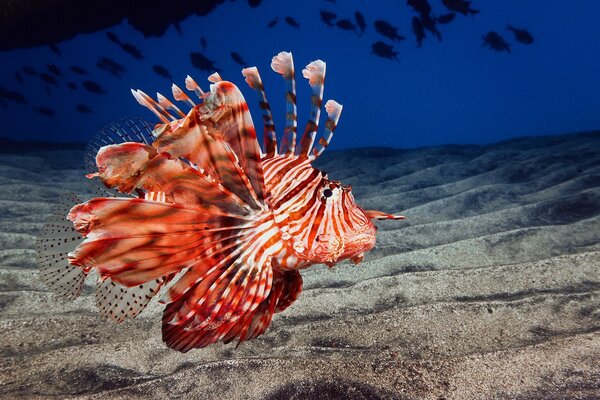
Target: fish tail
x=283 y=63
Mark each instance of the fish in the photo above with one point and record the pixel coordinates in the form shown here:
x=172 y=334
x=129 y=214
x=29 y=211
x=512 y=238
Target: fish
x=29 y=71
x=273 y=22
x=327 y=17
x=460 y=6
x=113 y=38
x=202 y=62
x=292 y=22
x=162 y=71
x=12 y=96
x=386 y=29
x=521 y=35
x=132 y=51
x=203 y=211
x=78 y=70
x=93 y=87
x=45 y=111
x=83 y=108
x=203 y=43
x=72 y=85
x=446 y=18
x=418 y=30
x=429 y=23
x=254 y=3
x=53 y=69
x=384 y=50
x=360 y=21
x=495 y=42
x=54 y=48
x=112 y=67
x=346 y=25
x=238 y=59
x=420 y=6
x=48 y=78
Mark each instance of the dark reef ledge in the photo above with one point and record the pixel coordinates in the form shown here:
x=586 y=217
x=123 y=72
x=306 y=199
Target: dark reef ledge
x=31 y=23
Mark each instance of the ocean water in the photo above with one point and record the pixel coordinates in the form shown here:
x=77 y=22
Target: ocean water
x=484 y=133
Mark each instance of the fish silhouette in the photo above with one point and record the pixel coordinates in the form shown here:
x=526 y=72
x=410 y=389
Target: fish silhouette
x=420 y=6
x=19 y=77
x=292 y=22
x=48 y=112
x=327 y=17
x=254 y=3
x=429 y=24
x=111 y=66
x=460 y=6
x=72 y=85
x=52 y=68
x=203 y=43
x=495 y=42
x=83 y=108
x=162 y=71
x=54 y=48
x=132 y=50
x=238 y=59
x=93 y=87
x=346 y=25
x=202 y=62
x=113 y=38
x=273 y=22
x=446 y=18
x=418 y=30
x=360 y=21
x=30 y=71
x=521 y=35
x=12 y=96
x=48 y=78
x=384 y=50
x=386 y=29
x=78 y=70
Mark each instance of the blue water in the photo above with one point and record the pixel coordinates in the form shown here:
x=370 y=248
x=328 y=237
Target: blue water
x=453 y=91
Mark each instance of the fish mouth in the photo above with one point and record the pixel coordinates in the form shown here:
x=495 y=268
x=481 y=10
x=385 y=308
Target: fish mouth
x=358 y=243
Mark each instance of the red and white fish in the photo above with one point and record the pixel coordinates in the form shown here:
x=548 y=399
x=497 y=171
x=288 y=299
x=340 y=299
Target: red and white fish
x=226 y=224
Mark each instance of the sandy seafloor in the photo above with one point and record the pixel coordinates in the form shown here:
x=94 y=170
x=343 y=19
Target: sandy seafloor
x=490 y=290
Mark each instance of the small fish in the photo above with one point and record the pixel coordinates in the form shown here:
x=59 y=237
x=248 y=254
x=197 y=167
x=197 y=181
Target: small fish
x=420 y=6
x=93 y=87
x=19 y=77
x=72 y=85
x=12 y=96
x=521 y=35
x=48 y=112
x=418 y=30
x=238 y=59
x=386 y=29
x=132 y=50
x=254 y=3
x=83 y=108
x=113 y=38
x=203 y=210
x=446 y=18
x=112 y=67
x=495 y=42
x=162 y=71
x=346 y=25
x=78 y=70
x=29 y=71
x=202 y=62
x=273 y=22
x=292 y=22
x=360 y=21
x=429 y=24
x=384 y=50
x=327 y=17
x=52 y=68
x=54 y=48
x=48 y=78
x=203 y=43
x=460 y=6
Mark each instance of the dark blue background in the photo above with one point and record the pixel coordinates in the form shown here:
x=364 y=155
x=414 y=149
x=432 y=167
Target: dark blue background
x=454 y=91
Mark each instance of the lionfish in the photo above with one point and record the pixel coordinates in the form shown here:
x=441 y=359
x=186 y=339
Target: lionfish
x=203 y=211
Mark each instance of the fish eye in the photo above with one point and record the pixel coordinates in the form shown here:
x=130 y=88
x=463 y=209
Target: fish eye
x=327 y=193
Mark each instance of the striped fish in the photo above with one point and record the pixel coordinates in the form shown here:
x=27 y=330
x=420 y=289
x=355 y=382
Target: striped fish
x=204 y=213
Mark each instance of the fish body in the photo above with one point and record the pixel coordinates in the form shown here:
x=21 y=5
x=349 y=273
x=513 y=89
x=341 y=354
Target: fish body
x=360 y=22
x=328 y=17
x=496 y=42
x=222 y=222
x=460 y=6
x=386 y=29
x=521 y=35
x=418 y=30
